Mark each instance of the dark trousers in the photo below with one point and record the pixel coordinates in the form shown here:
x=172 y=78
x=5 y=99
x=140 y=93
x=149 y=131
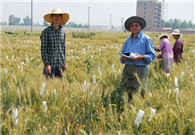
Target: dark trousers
x=134 y=78
x=55 y=72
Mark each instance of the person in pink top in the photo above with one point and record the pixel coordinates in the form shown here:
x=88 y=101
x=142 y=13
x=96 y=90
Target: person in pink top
x=166 y=52
x=178 y=46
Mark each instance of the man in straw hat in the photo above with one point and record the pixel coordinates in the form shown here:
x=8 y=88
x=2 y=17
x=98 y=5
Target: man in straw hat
x=178 y=46
x=136 y=70
x=166 y=52
x=53 y=43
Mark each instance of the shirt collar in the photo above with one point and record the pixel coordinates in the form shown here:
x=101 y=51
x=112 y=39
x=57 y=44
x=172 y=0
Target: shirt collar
x=179 y=38
x=138 y=36
x=60 y=26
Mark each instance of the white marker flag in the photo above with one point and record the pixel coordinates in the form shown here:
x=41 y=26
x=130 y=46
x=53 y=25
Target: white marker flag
x=42 y=89
x=139 y=117
x=152 y=111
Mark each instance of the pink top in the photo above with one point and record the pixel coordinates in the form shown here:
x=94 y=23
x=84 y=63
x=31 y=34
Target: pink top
x=165 y=47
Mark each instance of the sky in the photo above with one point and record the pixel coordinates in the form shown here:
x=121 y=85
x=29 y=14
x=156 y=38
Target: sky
x=101 y=11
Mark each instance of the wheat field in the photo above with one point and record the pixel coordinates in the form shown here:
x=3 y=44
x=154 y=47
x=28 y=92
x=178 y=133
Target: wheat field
x=88 y=99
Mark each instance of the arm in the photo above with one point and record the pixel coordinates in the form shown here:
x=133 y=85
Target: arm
x=150 y=53
x=159 y=56
x=123 y=59
x=44 y=44
x=157 y=49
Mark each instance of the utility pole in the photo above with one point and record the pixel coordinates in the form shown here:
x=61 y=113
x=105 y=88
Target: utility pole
x=31 y=15
x=88 y=17
x=122 y=24
x=110 y=22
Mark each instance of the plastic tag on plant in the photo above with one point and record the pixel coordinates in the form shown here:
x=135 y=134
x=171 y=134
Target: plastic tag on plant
x=15 y=113
x=5 y=71
x=139 y=117
x=119 y=72
x=113 y=68
x=94 y=79
x=85 y=82
x=87 y=87
x=42 y=89
x=177 y=92
x=16 y=122
x=27 y=58
x=54 y=91
x=21 y=63
x=150 y=94
x=176 y=81
x=188 y=59
x=99 y=71
x=182 y=75
x=45 y=106
x=152 y=111
x=170 y=91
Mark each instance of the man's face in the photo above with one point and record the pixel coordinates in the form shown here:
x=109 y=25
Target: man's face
x=135 y=28
x=56 y=18
x=175 y=36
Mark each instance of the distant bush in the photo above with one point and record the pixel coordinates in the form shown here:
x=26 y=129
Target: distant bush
x=83 y=34
x=11 y=33
x=21 y=33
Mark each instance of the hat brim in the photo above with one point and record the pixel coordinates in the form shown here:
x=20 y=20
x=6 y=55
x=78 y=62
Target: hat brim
x=164 y=34
x=135 y=19
x=173 y=33
x=65 y=18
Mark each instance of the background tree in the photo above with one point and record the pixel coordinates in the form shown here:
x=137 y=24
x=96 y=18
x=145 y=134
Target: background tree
x=3 y=23
x=27 y=21
x=13 y=20
x=184 y=25
x=177 y=24
x=45 y=23
x=190 y=25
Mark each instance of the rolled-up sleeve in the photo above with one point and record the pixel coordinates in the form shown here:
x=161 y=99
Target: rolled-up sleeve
x=44 y=43
x=150 y=53
x=123 y=50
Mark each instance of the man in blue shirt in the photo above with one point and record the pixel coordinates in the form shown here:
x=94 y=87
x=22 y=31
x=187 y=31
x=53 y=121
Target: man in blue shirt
x=136 y=70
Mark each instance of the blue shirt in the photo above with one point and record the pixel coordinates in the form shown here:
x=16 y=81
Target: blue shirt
x=142 y=45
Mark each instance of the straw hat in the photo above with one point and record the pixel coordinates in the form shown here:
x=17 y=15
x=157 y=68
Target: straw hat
x=134 y=19
x=162 y=35
x=65 y=16
x=176 y=32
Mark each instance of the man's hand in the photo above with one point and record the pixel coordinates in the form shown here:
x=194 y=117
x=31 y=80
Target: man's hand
x=138 y=57
x=124 y=58
x=48 y=69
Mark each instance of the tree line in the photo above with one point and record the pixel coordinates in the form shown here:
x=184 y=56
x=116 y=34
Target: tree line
x=12 y=20
x=173 y=23
x=177 y=24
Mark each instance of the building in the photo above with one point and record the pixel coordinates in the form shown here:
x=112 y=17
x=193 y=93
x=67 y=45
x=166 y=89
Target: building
x=150 y=10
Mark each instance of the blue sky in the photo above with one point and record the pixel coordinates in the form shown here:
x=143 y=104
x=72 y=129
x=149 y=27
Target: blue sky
x=100 y=10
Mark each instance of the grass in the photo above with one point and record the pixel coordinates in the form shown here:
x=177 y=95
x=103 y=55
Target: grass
x=87 y=108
